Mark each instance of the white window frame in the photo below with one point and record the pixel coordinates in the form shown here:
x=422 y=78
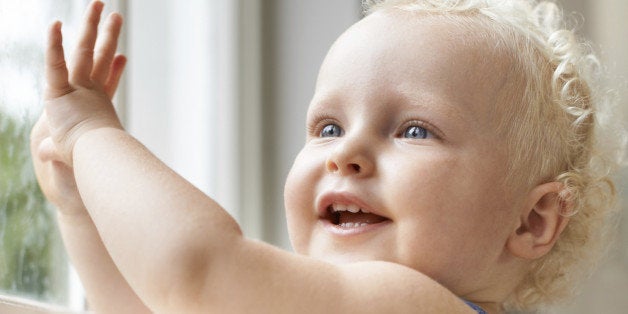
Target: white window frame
x=194 y=96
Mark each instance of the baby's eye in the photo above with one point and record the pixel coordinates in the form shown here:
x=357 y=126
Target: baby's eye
x=416 y=132
x=331 y=130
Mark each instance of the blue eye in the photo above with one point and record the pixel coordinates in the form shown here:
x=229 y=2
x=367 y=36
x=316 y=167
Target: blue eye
x=416 y=132
x=331 y=130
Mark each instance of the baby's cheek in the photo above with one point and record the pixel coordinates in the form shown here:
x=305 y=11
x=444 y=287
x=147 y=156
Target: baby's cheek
x=300 y=198
x=295 y=204
x=420 y=176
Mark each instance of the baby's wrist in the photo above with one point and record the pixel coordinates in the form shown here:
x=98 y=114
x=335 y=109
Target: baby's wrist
x=94 y=136
x=87 y=130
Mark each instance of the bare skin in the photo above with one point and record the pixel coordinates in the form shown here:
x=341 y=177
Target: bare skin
x=173 y=249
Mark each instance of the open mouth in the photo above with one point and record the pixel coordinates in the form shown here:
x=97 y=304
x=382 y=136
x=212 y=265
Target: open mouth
x=351 y=216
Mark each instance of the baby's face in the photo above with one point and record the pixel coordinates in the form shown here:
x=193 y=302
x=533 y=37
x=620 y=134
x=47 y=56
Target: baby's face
x=403 y=128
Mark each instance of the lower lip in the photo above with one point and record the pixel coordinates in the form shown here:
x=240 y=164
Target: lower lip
x=344 y=231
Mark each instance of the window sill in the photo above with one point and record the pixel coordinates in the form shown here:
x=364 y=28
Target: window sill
x=16 y=305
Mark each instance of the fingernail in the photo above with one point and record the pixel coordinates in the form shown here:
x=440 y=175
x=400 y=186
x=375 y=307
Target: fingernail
x=98 y=4
x=115 y=17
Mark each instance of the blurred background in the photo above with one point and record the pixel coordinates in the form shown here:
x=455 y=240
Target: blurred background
x=218 y=90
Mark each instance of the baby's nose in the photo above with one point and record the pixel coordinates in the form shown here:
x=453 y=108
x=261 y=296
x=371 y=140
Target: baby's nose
x=351 y=158
x=350 y=167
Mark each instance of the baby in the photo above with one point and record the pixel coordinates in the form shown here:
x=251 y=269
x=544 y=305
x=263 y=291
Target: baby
x=452 y=165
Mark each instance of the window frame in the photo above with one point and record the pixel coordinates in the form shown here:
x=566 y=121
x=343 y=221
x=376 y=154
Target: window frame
x=209 y=83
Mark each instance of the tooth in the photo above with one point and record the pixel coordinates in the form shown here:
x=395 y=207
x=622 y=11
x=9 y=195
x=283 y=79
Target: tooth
x=353 y=208
x=339 y=207
x=364 y=210
x=363 y=224
x=347 y=225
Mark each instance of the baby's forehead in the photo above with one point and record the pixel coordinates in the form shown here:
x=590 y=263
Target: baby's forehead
x=417 y=54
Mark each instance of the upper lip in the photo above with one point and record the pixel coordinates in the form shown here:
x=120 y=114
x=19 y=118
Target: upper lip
x=327 y=199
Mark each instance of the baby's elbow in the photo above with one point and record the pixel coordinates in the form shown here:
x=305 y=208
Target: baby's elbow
x=194 y=273
x=182 y=291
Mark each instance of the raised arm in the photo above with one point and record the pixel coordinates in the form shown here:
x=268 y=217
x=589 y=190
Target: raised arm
x=107 y=291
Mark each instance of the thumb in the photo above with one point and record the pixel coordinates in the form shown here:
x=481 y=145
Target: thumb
x=47 y=151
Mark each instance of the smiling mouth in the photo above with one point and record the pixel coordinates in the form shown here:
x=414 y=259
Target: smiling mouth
x=351 y=216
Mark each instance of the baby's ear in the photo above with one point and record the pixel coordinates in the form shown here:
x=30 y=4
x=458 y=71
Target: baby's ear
x=541 y=222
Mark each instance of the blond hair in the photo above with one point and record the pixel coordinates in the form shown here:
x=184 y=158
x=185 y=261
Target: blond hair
x=560 y=126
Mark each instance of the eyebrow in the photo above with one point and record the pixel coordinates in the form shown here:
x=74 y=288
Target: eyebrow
x=446 y=108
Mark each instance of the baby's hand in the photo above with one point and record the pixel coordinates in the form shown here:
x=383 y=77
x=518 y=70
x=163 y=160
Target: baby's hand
x=55 y=178
x=79 y=100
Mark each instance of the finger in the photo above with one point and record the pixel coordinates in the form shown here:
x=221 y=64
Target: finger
x=115 y=73
x=107 y=45
x=83 y=57
x=47 y=151
x=38 y=133
x=42 y=147
x=117 y=68
x=55 y=68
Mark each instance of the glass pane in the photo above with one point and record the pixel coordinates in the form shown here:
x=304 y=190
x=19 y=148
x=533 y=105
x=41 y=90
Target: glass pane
x=32 y=260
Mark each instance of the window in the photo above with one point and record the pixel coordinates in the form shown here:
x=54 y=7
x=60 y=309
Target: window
x=33 y=264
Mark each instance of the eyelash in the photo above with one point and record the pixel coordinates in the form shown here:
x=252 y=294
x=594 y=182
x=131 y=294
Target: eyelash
x=431 y=130
x=319 y=123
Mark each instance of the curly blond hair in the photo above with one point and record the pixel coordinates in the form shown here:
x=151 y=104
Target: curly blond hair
x=560 y=126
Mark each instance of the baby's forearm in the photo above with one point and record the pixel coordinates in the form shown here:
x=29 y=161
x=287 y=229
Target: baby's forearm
x=106 y=289
x=161 y=231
